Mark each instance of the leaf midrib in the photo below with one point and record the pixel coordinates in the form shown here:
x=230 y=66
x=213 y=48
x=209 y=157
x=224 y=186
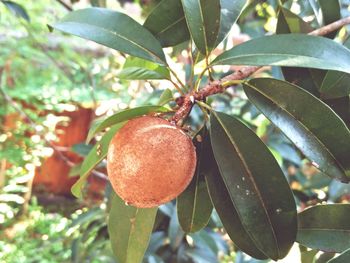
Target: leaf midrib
x=248 y=172
x=273 y=54
x=301 y=124
x=170 y=25
x=120 y=36
x=132 y=230
x=324 y=229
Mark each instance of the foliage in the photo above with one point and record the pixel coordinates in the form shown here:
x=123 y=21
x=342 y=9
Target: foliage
x=268 y=147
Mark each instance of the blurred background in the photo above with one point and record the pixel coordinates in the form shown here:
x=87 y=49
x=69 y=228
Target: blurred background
x=53 y=87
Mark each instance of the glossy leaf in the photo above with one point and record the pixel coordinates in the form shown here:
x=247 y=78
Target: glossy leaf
x=308 y=79
x=342 y=258
x=137 y=68
x=115 y=30
x=167 y=23
x=330 y=12
x=336 y=84
x=123 y=116
x=95 y=156
x=309 y=123
x=325 y=227
x=16 y=9
x=194 y=206
x=224 y=205
x=203 y=20
x=130 y=229
x=267 y=213
x=292 y=50
x=230 y=11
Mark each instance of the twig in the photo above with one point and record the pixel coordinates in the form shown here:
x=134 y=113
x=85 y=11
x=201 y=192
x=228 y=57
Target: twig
x=65 y=5
x=331 y=27
x=186 y=102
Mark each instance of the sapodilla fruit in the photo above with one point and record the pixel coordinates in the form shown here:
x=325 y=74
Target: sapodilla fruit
x=150 y=161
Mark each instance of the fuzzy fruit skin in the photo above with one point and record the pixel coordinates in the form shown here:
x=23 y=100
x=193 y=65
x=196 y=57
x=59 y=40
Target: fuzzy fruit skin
x=150 y=162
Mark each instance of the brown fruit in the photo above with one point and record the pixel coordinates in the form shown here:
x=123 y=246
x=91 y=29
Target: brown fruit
x=150 y=161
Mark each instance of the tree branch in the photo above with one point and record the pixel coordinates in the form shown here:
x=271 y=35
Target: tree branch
x=65 y=5
x=186 y=102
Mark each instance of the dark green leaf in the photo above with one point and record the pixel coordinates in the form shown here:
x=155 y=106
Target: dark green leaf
x=194 y=206
x=342 y=258
x=130 y=229
x=309 y=123
x=288 y=22
x=308 y=79
x=331 y=12
x=230 y=11
x=225 y=207
x=115 y=30
x=82 y=149
x=293 y=50
x=16 y=9
x=336 y=84
x=137 y=68
x=167 y=23
x=342 y=107
x=325 y=227
x=95 y=156
x=203 y=20
x=166 y=97
x=268 y=214
x=123 y=116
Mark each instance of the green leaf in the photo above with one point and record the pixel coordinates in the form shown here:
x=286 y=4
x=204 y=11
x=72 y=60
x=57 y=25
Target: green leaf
x=331 y=12
x=203 y=20
x=342 y=258
x=115 y=30
x=325 y=227
x=288 y=22
x=224 y=206
x=308 y=256
x=230 y=11
x=292 y=50
x=309 y=123
x=167 y=23
x=336 y=84
x=194 y=206
x=308 y=79
x=129 y=229
x=137 y=68
x=95 y=156
x=123 y=116
x=342 y=107
x=165 y=97
x=268 y=214
x=16 y=9
x=75 y=170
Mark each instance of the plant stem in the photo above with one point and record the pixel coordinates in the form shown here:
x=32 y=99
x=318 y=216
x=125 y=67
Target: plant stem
x=178 y=79
x=219 y=86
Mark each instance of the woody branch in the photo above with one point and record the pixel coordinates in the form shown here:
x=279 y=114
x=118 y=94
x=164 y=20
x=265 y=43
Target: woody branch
x=187 y=101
